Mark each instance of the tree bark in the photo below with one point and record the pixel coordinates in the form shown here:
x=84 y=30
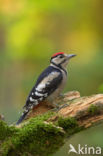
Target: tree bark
x=46 y=130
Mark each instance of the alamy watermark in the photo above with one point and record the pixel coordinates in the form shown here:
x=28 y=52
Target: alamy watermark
x=85 y=150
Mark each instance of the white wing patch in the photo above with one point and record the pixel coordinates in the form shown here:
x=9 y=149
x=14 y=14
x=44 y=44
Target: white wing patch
x=47 y=80
x=40 y=87
x=31 y=99
x=38 y=94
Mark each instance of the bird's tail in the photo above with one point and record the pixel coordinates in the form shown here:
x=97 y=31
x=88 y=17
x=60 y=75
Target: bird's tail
x=24 y=114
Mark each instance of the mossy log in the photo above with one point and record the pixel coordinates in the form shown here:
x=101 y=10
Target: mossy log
x=43 y=133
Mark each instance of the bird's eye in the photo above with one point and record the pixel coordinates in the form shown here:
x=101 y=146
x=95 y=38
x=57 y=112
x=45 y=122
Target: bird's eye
x=61 y=56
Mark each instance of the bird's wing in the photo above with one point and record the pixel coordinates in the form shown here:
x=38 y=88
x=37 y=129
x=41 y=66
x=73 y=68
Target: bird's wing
x=47 y=83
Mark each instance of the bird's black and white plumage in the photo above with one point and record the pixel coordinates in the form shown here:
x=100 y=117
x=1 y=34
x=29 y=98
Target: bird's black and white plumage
x=49 y=84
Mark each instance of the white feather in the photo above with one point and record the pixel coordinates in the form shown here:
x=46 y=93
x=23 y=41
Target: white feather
x=38 y=94
x=47 y=80
x=31 y=99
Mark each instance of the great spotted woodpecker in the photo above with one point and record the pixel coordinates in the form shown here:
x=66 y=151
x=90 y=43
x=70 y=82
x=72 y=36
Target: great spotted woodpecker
x=49 y=84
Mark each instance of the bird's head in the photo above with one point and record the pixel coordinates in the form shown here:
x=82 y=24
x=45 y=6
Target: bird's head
x=61 y=59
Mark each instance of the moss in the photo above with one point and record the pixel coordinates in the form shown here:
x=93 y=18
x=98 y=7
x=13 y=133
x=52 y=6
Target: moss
x=67 y=123
x=37 y=137
x=93 y=110
x=6 y=131
x=40 y=118
x=70 y=125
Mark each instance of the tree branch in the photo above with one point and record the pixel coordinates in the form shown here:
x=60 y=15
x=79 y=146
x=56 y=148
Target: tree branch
x=43 y=134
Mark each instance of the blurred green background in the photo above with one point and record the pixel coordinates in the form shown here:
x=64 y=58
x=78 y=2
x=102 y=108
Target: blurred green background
x=32 y=30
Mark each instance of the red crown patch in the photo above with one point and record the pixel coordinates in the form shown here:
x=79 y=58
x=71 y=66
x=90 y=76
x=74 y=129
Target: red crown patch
x=57 y=54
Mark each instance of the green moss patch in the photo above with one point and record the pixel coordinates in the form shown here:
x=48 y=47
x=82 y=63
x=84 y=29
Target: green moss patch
x=70 y=125
x=93 y=110
x=6 y=131
x=37 y=137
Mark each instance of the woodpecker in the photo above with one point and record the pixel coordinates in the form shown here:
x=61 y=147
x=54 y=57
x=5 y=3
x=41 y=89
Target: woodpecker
x=49 y=84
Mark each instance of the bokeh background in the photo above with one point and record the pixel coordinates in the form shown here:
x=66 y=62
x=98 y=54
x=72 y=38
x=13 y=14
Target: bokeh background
x=31 y=31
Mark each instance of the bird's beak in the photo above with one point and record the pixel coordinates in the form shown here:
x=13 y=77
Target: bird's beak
x=70 y=56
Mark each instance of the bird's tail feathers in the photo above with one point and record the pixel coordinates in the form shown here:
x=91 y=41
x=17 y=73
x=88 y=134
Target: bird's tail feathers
x=22 y=117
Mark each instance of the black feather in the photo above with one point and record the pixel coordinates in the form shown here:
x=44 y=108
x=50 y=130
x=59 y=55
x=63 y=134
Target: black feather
x=48 y=89
x=22 y=117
